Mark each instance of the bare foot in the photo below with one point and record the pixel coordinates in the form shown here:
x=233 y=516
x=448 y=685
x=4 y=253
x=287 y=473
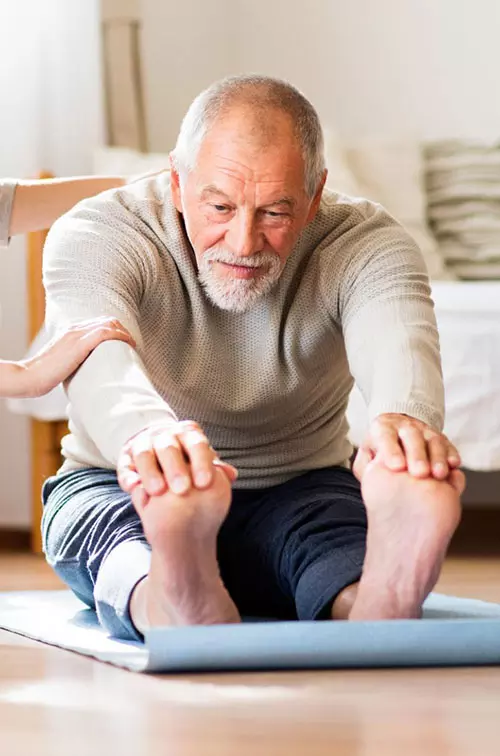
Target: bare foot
x=410 y=524
x=183 y=586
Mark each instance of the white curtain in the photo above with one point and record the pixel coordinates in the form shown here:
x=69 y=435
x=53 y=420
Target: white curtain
x=51 y=117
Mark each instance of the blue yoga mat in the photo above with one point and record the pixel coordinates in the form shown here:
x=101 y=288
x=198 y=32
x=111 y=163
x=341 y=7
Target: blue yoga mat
x=453 y=632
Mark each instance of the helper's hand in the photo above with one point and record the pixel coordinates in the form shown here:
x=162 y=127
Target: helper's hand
x=65 y=353
x=404 y=443
x=173 y=456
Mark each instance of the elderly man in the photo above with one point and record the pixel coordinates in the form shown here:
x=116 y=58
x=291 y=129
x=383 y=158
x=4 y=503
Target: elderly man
x=255 y=297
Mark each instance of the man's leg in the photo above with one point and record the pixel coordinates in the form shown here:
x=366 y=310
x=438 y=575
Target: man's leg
x=292 y=550
x=410 y=524
x=95 y=541
x=312 y=532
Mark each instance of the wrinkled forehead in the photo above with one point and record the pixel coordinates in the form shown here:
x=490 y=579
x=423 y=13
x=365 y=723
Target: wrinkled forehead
x=255 y=126
x=243 y=147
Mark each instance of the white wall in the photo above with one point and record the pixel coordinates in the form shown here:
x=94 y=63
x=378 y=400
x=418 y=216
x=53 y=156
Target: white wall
x=427 y=68
x=423 y=67
x=185 y=46
x=51 y=119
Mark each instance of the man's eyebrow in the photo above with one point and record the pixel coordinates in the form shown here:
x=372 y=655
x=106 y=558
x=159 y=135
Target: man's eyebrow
x=212 y=189
x=290 y=202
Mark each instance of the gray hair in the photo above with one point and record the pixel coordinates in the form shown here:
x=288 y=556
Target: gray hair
x=260 y=93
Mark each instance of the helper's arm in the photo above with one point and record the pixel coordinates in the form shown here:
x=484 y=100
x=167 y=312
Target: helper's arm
x=34 y=205
x=38 y=204
x=41 y=373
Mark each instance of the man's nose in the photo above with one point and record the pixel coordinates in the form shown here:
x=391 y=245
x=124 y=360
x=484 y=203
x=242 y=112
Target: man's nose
x=243 y=237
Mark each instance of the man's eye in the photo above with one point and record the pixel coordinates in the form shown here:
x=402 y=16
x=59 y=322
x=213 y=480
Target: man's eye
x=220 y=208
x=274 y=214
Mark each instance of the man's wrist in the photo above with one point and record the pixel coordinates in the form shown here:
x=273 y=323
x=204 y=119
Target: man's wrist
x=156 y=424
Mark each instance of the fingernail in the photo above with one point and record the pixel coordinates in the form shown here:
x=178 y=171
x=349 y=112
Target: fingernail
x=439 y=467
x=155 y=485
x=180 y=484
x=203 y=478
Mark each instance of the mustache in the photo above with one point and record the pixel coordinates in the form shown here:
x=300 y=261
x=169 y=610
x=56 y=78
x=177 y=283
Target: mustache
x=257 y=260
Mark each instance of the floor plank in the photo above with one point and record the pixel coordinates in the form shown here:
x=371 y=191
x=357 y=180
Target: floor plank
x=54 y=702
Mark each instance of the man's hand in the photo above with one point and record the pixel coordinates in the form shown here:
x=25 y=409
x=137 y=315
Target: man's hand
x=173 y=456
x=64 y=354
x=404 y=443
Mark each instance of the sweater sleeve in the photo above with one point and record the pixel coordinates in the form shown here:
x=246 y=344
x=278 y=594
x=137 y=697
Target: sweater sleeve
x=7 y=192
x=97 y=264
x=387 y=317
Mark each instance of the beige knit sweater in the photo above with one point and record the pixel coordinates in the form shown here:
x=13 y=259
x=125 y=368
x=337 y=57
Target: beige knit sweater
x=269 y=386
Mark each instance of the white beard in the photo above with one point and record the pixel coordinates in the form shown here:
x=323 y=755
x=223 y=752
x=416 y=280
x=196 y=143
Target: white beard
x=238 y=294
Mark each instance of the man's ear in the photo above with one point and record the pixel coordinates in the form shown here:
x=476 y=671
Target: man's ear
x=317 y=198
x=175 y=184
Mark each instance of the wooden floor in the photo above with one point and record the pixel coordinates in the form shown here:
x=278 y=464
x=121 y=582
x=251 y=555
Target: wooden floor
x=55 y=703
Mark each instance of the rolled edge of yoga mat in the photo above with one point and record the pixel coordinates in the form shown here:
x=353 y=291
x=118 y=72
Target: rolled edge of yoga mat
x=323 y=645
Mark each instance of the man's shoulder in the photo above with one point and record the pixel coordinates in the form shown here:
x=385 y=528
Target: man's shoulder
x=131 y=224
x=337 y=208
x=352 y=234
x=341 y=219
x=141 y=202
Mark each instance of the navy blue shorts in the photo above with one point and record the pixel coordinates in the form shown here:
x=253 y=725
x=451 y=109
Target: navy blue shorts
x=284 y=552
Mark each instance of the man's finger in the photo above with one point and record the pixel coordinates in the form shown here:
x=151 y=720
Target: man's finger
x=415 y=448
x=229 y=470
x=139 y=498
x=128 y=480
x=438 y=453
x=385 y=444
x=172 y=462
x=201 y=456
x=457 y=479
x=454 y=459
x=126 y=471
x=148 y=469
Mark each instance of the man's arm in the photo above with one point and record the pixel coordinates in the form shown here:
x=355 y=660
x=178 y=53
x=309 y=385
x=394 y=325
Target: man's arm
x=97 y=265
x=392 y=345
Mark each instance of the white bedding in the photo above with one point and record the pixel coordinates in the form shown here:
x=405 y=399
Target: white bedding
x=468 y=315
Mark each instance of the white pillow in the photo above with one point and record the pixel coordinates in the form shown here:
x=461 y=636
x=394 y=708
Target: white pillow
x=340 y=177
x=391 y=172
x=121 y=161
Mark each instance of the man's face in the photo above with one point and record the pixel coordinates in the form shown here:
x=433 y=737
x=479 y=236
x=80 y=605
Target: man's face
x=244 y=206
